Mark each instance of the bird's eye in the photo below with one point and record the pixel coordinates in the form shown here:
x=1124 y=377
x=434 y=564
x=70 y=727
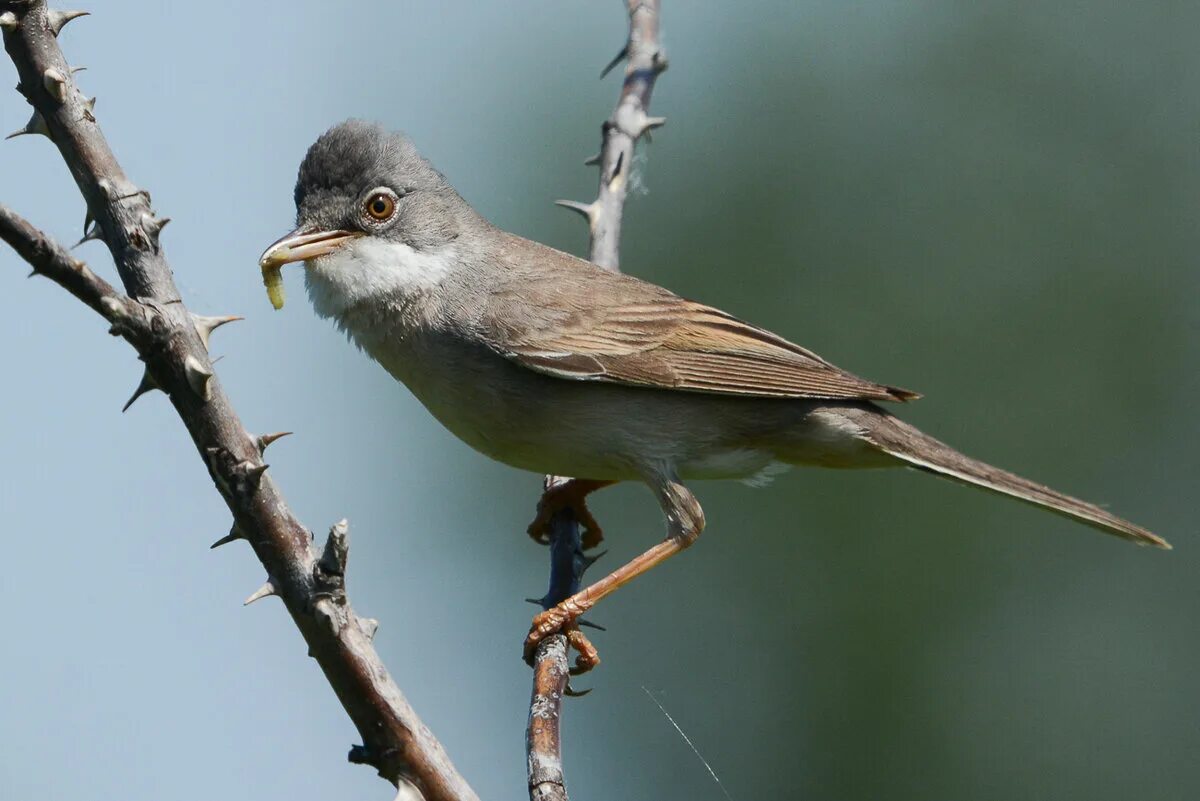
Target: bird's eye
x=380 y=206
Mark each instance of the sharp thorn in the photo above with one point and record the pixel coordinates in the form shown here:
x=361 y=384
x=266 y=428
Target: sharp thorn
x=369 y=626
x=55 y=83
x=587 y=624
x=234 y=534
x=36 y=125
x=93 y=234
x=58 y=19
x=254 y=474
x=264 y=441
x=206 y=325
x=198 y=377
x=147 y=384
x=266 y=590
x=8 y=22
x=588 y=561
x=650 y=123
x=153 y=225
x=592 y=161
x=586 y=209
x=617 y=59
x=78 y=69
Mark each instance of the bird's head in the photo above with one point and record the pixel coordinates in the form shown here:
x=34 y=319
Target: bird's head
x=372 y=217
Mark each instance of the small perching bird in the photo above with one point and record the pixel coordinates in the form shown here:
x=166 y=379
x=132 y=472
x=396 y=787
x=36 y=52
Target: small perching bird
x=548 y=363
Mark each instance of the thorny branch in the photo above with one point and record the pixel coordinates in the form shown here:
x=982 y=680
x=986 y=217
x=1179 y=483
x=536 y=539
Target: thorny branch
x=172 y=342
x=645 y=60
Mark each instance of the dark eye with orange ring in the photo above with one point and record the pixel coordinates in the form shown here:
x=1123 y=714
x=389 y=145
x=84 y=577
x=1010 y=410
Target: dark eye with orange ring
x=380 y=206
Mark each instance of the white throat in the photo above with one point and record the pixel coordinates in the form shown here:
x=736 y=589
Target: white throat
x=373 y=267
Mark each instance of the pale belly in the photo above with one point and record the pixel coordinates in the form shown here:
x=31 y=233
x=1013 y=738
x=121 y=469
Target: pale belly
x=604 y=431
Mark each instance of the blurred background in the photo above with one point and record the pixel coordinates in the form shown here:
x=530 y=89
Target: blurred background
x=993 y=203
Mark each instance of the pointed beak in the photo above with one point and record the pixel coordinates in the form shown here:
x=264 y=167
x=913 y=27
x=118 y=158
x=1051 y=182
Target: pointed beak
x=303 y=244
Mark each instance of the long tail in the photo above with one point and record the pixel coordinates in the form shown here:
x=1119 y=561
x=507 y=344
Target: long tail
x=923 y=452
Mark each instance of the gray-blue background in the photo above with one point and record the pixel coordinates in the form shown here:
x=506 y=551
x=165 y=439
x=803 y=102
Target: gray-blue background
x=994 y=203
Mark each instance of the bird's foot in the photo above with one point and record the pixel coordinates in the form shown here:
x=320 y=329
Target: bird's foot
x=562 y=619
x=568 y=495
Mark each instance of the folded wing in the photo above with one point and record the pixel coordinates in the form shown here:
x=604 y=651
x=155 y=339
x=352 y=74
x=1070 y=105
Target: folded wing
x=600 y=326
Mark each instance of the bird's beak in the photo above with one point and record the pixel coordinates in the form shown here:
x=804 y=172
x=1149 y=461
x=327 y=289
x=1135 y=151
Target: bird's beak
x=301 y=244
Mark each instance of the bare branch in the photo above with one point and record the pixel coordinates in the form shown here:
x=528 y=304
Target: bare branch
x=172 y=343
x=645 y=60
x=542 y=737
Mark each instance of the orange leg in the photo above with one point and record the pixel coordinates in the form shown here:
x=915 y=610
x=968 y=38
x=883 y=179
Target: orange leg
x=570 y=494
x=685 y=521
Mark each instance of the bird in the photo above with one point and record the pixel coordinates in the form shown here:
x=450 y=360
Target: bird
x=551 y=364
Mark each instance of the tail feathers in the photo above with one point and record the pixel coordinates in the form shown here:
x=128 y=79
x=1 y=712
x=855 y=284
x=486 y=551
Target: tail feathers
x=923 y=452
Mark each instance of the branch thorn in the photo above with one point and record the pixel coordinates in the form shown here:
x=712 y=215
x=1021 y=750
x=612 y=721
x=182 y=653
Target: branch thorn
x=153 y=225
x=55 y=83
x=588 y=561
x=92 y=234
x=369 y=626
x=650 y=123
x=206 y=325
x=36 y=125
x=57 y=20
x=617 y=59
x=234 y=534
x=266 y=590
x=588 y=210
x=265 y=440
x=147 y=384
x=254 y=473
x=198 y=377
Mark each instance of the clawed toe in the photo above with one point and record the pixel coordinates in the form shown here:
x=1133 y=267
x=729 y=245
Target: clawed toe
x=570 y=495
x=562 y=620
x=587 y=657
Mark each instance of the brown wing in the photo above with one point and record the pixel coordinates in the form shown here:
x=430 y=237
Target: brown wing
x=592 y=325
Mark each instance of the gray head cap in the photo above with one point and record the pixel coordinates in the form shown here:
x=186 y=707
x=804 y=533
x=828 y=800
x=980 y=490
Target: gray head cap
x=354 y=157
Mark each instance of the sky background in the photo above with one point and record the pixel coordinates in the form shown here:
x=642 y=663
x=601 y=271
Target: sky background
x=993 y=203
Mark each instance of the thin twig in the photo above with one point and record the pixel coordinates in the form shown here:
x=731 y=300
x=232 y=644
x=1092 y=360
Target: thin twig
x=172 y=343
x=630 y=121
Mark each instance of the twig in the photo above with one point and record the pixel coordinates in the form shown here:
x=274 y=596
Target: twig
x=630 y=121
x=173 y=344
